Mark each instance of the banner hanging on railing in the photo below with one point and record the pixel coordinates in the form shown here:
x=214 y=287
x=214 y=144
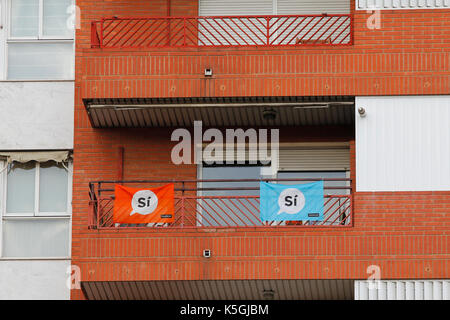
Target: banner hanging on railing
x=133 y=205
x=300 y=202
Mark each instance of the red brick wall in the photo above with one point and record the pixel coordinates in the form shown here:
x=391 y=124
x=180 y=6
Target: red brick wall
x=407 y=234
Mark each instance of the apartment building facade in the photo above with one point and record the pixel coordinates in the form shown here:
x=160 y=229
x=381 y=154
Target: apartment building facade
x=360 y=94
x=36 y=144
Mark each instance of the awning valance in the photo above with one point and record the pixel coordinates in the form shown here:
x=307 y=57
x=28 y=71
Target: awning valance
x=39 y=156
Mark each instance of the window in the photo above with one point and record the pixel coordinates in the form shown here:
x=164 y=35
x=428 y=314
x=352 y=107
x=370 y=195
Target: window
x=36 y=217
x=40 y=42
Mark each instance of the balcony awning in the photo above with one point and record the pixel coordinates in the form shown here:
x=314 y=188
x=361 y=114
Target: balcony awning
x=39 y=156
x=332 y=289
x=220 y=111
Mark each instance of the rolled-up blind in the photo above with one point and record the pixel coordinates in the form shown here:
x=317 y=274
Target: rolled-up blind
x=314 y=158
x=286 y=7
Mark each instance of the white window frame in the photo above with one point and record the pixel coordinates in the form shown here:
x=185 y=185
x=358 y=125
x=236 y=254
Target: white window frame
x=36 y=212
x=47 y=216
x=6 y=4
x=3 y=168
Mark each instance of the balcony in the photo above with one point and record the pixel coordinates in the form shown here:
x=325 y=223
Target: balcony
x=214 y=204
x=223 y=31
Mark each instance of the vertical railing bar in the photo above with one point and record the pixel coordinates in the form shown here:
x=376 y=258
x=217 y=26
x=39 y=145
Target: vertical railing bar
x=343 y=212
x=101 y=33
x=340 y=206
x=200 y=32
x=201 y=215
x=327 y=213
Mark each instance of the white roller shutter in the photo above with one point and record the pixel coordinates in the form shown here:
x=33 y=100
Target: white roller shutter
x=403 y=290
x=287 y=7
x=401 y=4
x=235 y=7
x=314 y=158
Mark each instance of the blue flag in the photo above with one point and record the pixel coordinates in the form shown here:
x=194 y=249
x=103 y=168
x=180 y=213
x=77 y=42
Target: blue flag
x=291 y=202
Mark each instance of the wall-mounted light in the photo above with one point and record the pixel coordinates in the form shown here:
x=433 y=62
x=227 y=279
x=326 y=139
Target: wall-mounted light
x=269 y=114
x=362 y=112
x=268 y=294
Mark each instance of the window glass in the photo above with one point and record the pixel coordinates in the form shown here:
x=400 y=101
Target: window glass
x=25 y=18
x=55 y=19
x=41 y=237
x=40 y=61
x=20 y=187
x=53 y=179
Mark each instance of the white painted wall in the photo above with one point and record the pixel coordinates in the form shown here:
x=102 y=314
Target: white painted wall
x=402 y=290
x=32 y=280
x=36 y=115
x=401 y=4
x=2 y=37
x=403 y=143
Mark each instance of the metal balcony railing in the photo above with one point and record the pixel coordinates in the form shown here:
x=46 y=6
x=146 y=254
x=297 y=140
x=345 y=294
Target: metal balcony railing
x=207 y=204
x=222 y=31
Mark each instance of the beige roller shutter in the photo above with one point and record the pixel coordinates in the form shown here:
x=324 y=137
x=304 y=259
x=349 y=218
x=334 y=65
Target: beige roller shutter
x=314 y=158
x=286 y=7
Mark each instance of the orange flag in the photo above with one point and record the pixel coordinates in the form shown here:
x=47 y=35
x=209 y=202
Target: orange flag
x=134 y=205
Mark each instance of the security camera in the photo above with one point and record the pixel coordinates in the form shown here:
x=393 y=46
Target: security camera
x=362 y=111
